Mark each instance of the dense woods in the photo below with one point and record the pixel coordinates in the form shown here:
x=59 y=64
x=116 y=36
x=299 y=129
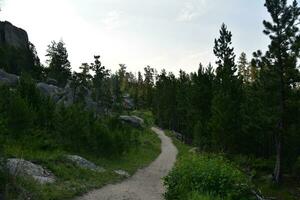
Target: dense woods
x=241 y=107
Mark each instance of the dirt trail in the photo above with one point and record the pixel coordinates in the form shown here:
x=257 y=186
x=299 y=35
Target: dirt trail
x=145 y=184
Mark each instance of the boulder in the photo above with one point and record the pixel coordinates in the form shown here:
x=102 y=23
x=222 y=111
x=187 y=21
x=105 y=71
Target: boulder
x=132 y=120
x=8 y=79
x=128 y=102
x=122 y=173
x=50 y=90
x=179 y=136
x=90 y=103
x=83 y=163
x=20 y=167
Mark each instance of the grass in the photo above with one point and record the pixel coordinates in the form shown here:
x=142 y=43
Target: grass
x=287 y=191
x=204 y=176
x=146 y=115
x=73 y=181
x=183 y=149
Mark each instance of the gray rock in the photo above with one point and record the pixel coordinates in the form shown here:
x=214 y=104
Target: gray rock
x=51 y=81
x=133 y=120
x=179 y=136
x=65 y=96
x=8 y=79
x=85 y=164
x=20 y=167
x=13 y=36
x=68 y=96
x=122 y=173
x=50 y=90
x=128 y=102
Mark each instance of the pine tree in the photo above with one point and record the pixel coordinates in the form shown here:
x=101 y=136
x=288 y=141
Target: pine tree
x=102 y=91
x=81 y=82
x=148 y=84
x=59 y=65
x=224 y=122
x=117 y=93
x=243 y=68
x=282 y=57
x=122 y=76
x=201 y=99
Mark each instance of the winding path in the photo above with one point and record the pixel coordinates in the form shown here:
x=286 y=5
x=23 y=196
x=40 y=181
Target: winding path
x=145 y=184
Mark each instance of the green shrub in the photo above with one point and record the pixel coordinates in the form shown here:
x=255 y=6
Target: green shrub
x=20 y=117
x=204 y=174
x=147 y=116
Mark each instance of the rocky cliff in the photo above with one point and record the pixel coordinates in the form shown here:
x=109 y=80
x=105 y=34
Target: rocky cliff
x=13 y=36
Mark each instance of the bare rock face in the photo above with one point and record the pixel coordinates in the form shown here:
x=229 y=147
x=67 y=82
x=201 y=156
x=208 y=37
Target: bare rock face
x=13 y=36
x=49 y=90
x=8 y=79
x=20 y=167
x=85 y=164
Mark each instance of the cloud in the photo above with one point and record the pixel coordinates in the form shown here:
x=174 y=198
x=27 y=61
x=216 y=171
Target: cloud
x=191 y=10
x=113 y=20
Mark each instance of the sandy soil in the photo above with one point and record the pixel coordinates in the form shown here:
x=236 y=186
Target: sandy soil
x=145 y=184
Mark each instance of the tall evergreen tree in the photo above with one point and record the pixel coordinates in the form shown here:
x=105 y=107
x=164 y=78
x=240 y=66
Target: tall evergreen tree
x=282 y=57
x=201 y=99
x=59 y=65
x=243 y=68
x=148 y=86
x=225 y=125
x=102 y=91
x=81 y=82
x=122 y=76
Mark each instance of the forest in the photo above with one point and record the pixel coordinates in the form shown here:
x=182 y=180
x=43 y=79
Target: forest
x=241 y=114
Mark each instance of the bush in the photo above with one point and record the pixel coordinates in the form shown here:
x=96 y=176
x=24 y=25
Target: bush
x=147 y=116
x=204 y=174
x=20 y=117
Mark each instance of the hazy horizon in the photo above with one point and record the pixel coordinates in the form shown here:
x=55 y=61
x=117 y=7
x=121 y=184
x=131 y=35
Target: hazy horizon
x=161 y=33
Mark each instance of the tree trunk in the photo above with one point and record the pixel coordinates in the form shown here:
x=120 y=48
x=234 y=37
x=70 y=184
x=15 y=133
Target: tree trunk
x=277 y=176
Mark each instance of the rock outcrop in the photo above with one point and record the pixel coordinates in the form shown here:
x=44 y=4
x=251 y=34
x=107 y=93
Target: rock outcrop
x=11 y=35
x=8 y=79
x=49 y=90
x=128 y=102
x=132 y=120
x=69 y=96
x=83 y=163
x=59 y=95
x=20 y=167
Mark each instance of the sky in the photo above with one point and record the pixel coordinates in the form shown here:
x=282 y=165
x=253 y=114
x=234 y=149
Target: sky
x=170 y=34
